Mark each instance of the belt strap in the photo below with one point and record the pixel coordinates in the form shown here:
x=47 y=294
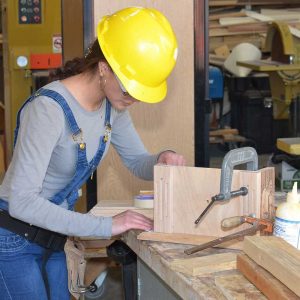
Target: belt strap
x=43 y=237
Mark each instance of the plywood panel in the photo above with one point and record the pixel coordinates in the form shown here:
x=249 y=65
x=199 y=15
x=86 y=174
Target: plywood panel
x=167 y=125
x=182 y=193
x=72 y=32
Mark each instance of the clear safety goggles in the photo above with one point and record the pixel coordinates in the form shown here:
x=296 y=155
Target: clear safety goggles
x=121 y=86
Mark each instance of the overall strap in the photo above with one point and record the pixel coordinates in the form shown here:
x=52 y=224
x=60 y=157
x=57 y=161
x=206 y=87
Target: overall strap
x=82 y=173
x=61 y=101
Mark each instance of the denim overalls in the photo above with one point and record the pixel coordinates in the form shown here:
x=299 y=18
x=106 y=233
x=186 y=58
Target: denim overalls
x=21 y=260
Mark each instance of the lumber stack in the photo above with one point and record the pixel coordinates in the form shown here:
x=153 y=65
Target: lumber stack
x=232 y=25
x=272 y=265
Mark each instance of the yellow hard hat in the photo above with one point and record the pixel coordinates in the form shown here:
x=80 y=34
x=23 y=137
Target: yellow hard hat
x=141 y=48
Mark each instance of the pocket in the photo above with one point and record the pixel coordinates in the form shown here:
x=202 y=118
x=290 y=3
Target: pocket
x=10 y=242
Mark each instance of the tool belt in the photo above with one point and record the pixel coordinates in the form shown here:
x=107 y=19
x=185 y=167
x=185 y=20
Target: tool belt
x=43 y=237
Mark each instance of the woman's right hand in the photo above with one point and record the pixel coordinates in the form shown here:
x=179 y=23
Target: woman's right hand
x=130 y=220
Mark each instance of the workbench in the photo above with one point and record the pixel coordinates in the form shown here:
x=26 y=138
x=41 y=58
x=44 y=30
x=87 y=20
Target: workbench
x=158 y=280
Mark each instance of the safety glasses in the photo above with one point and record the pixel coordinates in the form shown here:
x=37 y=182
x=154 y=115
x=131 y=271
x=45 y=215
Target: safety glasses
x=121 y=86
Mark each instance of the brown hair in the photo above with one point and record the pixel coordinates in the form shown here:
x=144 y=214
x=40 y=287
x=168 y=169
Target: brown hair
x=77 y=65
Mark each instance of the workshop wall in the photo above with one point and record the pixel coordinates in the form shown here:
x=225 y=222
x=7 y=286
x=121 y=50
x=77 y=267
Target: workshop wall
x=167 y=125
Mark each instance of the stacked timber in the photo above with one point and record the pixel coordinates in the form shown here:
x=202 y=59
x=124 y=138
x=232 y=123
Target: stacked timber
x=235 y=24
x=272 y=265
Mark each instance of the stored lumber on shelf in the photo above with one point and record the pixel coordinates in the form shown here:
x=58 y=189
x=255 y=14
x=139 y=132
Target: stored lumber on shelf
x=278 y=257
x=213 y=3
x=270 y=286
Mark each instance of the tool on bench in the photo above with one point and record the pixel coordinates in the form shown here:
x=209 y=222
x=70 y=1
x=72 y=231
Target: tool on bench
x=246 y=155
x=258 y=225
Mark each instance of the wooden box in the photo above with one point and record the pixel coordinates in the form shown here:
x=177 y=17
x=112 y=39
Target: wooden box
x=182 y=193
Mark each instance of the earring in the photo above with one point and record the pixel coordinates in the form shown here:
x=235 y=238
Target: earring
x=102 y=82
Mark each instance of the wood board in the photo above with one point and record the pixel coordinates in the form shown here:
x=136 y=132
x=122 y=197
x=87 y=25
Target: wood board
x=158 y=255
x=278 y=257
x=111 y=208
x=182 y=193
x=204 y=265
x=237 y=287
x=270 y=286
x=186 y=239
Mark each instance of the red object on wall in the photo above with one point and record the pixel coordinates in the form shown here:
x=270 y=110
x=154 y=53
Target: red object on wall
x=45 y=61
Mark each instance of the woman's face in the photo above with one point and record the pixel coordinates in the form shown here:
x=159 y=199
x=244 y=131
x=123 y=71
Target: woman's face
x=115 y=92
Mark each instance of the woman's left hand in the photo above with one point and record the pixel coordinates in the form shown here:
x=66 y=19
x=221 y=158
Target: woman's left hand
x=171 y=158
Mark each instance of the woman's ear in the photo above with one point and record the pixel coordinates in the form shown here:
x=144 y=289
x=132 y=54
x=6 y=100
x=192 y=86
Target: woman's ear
x=103 y=67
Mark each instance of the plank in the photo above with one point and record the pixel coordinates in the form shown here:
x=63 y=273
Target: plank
x=270 y=286
x=213 y=17
x=186 y=239
x=236 y=21
x=213 y=3
x=204 y=265
x=238 y=287
x=215 y=32
x=223 y=132
x=294 y=31
x=278 y=257
x=222 y=51
x=109 y=211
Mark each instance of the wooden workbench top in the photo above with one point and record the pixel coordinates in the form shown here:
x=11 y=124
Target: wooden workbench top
x=221 y=284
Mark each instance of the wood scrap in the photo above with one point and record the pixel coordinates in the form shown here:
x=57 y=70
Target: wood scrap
x=213 y=3
x=220 y=132
x=238 y=26
x=264 y=18
x=241 y=289
x=186 y=239
x=270 y=286
x=278 y=257
x=216 y=60
x=222 y=51
x=204 y=265
x=214 y=17
x=104 y=211
x=236 y=21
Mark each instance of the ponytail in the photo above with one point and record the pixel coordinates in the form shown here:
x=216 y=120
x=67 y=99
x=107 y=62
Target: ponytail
x=78 y=65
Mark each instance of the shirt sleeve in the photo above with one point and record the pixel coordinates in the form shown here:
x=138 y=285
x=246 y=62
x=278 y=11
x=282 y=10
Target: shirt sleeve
x=130 y=147
x=42 y=122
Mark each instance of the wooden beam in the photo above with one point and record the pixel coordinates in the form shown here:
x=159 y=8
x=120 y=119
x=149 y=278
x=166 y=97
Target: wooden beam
x=99 y=210
x=186 y=239
x=278 y=257
x=270 y=286
x=204 y=264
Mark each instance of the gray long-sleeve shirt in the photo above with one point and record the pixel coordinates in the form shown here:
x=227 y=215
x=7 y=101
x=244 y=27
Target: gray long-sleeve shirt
x=45 y=157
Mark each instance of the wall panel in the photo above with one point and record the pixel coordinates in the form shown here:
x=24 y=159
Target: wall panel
x=167 y=125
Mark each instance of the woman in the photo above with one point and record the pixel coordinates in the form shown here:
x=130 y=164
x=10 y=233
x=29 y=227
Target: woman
x=63 y=131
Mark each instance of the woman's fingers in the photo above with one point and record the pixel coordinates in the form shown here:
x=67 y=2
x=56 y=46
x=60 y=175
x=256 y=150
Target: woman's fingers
x=171 y=158
x=130 y=220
